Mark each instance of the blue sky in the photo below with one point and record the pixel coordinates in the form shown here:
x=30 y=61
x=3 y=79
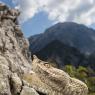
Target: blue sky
x=9 y=2
x=35 y=25
x=37 y=15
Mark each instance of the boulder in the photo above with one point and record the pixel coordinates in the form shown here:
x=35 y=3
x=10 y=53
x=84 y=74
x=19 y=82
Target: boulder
x=28 y=91
x=16 y=83
x=13 y=63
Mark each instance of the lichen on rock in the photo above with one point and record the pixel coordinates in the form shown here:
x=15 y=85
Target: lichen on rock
x=14 y=58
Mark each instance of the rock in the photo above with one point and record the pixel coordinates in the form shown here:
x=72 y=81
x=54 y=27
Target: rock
x=32 y=80
x=18 y=31
x=16 y=83
x=28 y=91
x=3 y=7
x=4 y=78
x=7 y=13
x=13 y=63
x=4 y=86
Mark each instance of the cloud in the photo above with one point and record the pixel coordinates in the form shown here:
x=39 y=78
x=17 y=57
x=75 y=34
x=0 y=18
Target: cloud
x=80 y=11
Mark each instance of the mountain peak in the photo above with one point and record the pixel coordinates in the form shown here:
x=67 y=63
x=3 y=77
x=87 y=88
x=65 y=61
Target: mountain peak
x=70 y=33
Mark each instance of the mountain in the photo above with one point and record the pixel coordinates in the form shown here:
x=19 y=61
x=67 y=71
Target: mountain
x=65 y=43
x=69 y=33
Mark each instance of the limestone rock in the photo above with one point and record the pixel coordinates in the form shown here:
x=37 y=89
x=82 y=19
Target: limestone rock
x=3 y=7
x=4 y=86
x=28 y=91
x=14 y=58
x=16 y=83
x=4 y=75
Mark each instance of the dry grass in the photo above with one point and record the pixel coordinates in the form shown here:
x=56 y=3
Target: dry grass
x=34 y=81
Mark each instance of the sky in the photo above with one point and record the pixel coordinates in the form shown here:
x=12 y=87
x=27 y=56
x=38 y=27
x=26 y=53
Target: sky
x=38 y=15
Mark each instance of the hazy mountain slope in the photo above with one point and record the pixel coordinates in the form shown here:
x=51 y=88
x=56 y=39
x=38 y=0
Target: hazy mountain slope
x=65 y=43
x=61 y=54
x=69 y=33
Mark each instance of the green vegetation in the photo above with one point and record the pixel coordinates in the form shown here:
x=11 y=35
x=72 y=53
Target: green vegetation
x=86 y=75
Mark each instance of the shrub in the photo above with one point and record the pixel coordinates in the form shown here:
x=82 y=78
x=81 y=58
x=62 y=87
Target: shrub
x=84 y=74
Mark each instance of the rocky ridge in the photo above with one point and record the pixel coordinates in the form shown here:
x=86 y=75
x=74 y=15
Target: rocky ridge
x=14 y=55
x=17 y=76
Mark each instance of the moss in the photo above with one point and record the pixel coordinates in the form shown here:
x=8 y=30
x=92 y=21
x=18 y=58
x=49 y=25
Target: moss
x=71 y=70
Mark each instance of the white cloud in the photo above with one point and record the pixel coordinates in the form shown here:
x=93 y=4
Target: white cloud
x=80 y=11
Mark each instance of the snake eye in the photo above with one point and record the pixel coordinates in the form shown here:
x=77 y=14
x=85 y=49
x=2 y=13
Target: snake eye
x=47 y=65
